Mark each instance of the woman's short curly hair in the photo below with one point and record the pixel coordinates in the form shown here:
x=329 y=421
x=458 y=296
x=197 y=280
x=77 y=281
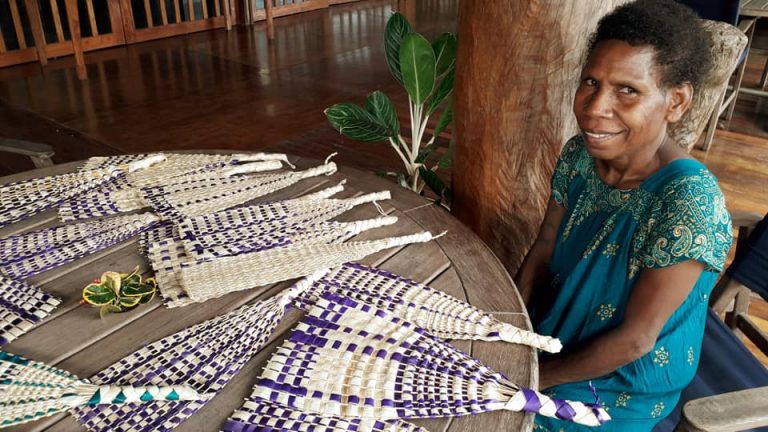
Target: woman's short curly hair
x=673 y=30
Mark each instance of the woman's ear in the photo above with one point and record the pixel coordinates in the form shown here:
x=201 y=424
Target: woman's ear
x=679 y=100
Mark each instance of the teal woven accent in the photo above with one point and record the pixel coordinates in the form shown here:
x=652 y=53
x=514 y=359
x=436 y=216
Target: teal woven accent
x=95 y=399
x=120 y=398
x=146 y=397
x=172 y=396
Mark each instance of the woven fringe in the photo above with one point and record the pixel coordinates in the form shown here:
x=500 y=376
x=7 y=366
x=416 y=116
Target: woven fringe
x=22 y=307
x=438 y=313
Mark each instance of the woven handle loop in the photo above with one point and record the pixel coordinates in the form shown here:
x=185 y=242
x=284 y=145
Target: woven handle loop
x=578 y=412
x=251 y=157
x=252 y=168
x=512 y=334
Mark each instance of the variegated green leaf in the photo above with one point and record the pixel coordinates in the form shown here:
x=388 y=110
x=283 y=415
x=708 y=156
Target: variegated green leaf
x=445 y=53
x=443 y=90
x=138 y=290
x=433 y=181
x=129 y=302
x=417 y=65
x=379 y=105
x=397 y=28
x=111 y=280
x=356 y=123
x=98 y=294
x=147 y=298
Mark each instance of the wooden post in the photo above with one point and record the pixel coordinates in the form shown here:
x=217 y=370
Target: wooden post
x=517 y=68
x=73 y=17
x=37 y=30
x=270 y=21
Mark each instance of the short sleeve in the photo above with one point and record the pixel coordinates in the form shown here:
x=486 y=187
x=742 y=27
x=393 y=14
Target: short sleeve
x=689 y=222
x=566 y=169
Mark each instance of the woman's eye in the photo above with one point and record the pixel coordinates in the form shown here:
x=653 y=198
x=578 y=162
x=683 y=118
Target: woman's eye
x=589 y=82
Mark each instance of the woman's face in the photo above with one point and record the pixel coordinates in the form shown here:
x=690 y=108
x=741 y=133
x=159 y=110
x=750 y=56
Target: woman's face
x=619 y=106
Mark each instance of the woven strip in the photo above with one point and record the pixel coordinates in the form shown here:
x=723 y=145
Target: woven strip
x=206 y=356
x=159 y=232
x=210 y=279
x=351 y=360
x=306 y=210
x=196 y=200
x=22 y=306
x=276 y=234
x=438 y=313
x=199 y=173
x=31 y=390
x=265 y=416
x=42 y=250
x=23 y=199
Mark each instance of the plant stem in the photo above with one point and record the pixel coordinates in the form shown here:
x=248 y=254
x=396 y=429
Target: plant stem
x=407 y=162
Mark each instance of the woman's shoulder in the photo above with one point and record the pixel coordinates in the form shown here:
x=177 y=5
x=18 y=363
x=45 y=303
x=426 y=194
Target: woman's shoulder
x=574 y=157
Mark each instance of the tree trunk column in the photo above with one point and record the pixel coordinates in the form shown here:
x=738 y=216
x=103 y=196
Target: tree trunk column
x=518 y=65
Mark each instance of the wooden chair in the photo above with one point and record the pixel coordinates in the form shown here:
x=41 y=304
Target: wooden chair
x=725 y=11
x=730 y=390
x=41 y=154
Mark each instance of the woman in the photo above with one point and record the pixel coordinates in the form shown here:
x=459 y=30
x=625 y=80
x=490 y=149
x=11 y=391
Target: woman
x=636 y=230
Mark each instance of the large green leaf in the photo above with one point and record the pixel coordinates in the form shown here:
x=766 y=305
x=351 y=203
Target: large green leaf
x=445 y=119
x=356 y=123
x=382 y=108
x=417 y=64
x=445 y=53
x=138 y=290
x=129 y=302
x=443 y=91
x=397 y=28
x=98 y=294
x=447 y=159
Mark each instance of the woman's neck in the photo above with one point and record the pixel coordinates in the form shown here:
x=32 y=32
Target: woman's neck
x=629 y=171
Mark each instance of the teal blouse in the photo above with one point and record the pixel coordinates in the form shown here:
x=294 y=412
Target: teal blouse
x=607 y=237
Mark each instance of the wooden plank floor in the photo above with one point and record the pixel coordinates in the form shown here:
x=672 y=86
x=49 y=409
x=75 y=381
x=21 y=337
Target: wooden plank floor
x=236 y=90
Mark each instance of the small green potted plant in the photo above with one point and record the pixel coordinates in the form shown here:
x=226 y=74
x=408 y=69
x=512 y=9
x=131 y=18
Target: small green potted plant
x=426 y=70
x=119 y=292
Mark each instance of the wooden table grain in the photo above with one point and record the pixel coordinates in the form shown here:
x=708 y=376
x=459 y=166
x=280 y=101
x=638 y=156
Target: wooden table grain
x=75 y=339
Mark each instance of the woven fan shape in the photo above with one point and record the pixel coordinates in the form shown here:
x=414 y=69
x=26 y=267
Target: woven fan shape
x=22 y=306
x=193 y=200
x=265 y=416
x=203 y=280
x=30 y=390
x=22 y=199
x=129 y=197
x=27 y=254
x=438 y=313
x=351 y=360
x=170 y=257
x=206 y=356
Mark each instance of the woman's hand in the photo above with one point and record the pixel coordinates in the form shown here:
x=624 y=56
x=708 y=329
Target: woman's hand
x=534 y=270
x=656 y=295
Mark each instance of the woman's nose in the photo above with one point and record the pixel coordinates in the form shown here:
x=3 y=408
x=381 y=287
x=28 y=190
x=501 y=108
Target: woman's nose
x=599 y=104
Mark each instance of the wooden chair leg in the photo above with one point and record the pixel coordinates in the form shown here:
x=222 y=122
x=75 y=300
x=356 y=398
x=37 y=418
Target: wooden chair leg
x=73 y=17
x=713 y=122
x=740 y=75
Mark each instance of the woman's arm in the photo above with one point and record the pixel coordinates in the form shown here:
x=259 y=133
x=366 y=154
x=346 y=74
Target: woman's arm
x=656 y=295
x=534 y=269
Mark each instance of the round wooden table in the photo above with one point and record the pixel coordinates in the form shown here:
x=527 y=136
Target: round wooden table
x=75 y=339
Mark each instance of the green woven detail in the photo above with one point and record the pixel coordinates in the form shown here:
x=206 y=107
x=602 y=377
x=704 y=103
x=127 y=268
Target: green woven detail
x=120 y=398
x=146 y=397
x=95 y=399
x=172 y=396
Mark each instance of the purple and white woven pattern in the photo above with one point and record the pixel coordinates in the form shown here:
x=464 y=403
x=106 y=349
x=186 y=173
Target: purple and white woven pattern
x=22 y=199
x=41 y=251
x=438 y=313
x=244 y=240
x=305 y=210
x=196 y=200
x=205 y=357
x=22 y=306
x=166 y=257
x=265 y=416
x=350 y=359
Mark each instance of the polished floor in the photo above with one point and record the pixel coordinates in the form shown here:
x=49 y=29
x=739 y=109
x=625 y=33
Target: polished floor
x=237 y=90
